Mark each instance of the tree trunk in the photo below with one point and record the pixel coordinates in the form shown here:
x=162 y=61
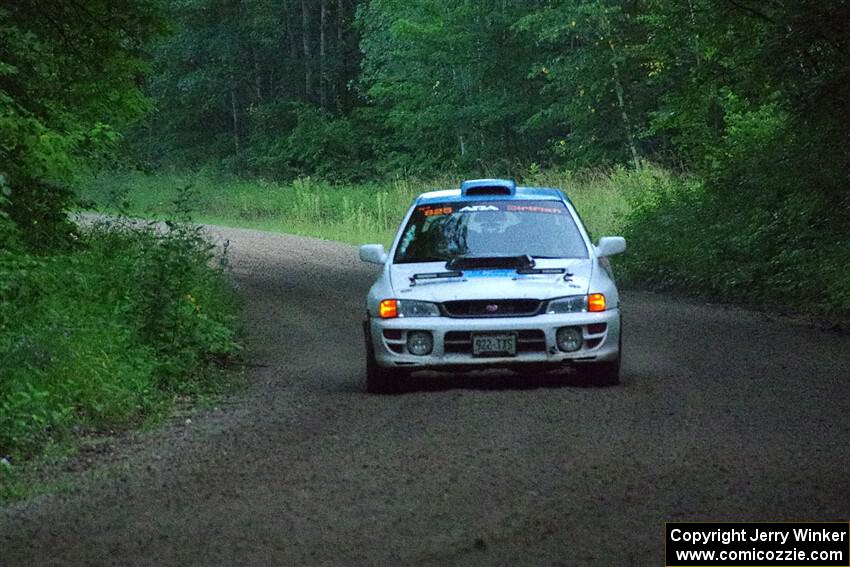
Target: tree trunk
x=323 y=86
x=341 y=66
x=258 y=79
x=149 y=149
x=287 y=85
x=618 y=89
x=340 y=21
x=290 y=33
x=235 y=114
x=305 y=44
x=693 y=18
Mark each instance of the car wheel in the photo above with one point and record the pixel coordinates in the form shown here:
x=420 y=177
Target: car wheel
x=379 y=380
x=606 y=373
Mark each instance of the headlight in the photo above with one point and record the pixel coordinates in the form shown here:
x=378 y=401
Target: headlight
x=577 y=304
x=391 y=308
x=410 y=308
x=573 y=304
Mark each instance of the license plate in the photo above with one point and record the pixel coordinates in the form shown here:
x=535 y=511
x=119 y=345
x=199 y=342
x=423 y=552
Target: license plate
x=494 y=345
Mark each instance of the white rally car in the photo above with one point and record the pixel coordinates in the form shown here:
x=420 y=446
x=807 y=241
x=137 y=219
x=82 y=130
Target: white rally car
x=492 y=275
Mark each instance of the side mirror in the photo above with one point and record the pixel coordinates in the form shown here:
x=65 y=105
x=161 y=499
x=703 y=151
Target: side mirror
x=373 y=253
x=610 y=245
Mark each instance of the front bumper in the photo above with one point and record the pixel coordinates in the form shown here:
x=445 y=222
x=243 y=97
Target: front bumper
x=536 y=340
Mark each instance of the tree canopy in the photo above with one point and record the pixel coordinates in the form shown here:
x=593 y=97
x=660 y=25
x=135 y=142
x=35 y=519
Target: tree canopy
x=69 y=82
x=749 y=95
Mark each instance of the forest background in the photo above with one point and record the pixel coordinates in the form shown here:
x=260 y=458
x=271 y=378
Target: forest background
x=713 y=134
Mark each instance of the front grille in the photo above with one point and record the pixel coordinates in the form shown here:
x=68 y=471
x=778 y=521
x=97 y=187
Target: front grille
x=460 y=342
x=493 y=308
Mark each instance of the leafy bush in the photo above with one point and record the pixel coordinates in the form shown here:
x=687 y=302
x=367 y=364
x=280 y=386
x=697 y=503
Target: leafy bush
x=306 y=141
x=776 y=248
x=105 y=334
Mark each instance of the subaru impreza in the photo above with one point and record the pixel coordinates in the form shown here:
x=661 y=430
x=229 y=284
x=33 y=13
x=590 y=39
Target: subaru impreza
x=492 y=275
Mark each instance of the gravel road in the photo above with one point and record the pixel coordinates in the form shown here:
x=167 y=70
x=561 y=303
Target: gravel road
x=723 y=414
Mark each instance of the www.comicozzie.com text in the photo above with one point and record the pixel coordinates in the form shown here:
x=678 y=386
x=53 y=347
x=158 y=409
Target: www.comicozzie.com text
x=743 y=534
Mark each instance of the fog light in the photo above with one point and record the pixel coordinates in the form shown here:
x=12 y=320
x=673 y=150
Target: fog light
x=569 y=339
x=419 y=343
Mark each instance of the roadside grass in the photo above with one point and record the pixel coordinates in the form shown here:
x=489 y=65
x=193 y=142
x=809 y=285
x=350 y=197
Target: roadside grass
x=357 y=214
x=105 y=334
x=70 y=462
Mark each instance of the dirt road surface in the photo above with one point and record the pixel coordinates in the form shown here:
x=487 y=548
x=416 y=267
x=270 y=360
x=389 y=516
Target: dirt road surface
x=722 y=415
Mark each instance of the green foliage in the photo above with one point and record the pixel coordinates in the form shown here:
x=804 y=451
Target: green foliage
x=450 y=84
x=103 y=335
x=747 y=100
x=753 y=110
x=489 y=88
x=8 y=231
x=762 y=248
x=67 y=82
x=596 y=84
x=256 y=87
x=315 y=143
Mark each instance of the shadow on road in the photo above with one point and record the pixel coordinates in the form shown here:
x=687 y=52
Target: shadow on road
x=475 y=380
x=491 y=380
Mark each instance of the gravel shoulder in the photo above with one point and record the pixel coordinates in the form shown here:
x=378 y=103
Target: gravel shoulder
x=723 y=414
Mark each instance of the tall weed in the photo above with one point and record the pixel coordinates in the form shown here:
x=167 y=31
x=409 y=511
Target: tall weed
x=355 y=213
x=104 y=334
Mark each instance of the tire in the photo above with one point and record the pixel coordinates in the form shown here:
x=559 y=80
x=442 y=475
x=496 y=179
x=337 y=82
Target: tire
x=606 y=373
x=379 y=380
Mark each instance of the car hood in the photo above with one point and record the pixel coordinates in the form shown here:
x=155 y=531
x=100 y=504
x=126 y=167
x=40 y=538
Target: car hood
x=491 y=283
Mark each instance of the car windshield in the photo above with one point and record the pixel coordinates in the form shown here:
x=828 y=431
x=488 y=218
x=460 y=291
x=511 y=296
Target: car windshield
x=443 y=231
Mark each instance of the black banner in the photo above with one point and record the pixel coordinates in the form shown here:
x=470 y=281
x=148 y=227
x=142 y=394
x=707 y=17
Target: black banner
x=757 y=544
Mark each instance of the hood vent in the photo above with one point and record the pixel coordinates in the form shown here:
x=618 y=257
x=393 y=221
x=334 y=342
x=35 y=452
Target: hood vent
x=488 y=187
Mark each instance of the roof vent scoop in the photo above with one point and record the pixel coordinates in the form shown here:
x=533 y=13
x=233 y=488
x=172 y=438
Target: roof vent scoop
x=484 y=187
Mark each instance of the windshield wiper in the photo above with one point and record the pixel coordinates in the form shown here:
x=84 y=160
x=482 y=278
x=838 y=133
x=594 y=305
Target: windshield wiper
x=420 y=260
x=435 y=276
x=527 y=271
